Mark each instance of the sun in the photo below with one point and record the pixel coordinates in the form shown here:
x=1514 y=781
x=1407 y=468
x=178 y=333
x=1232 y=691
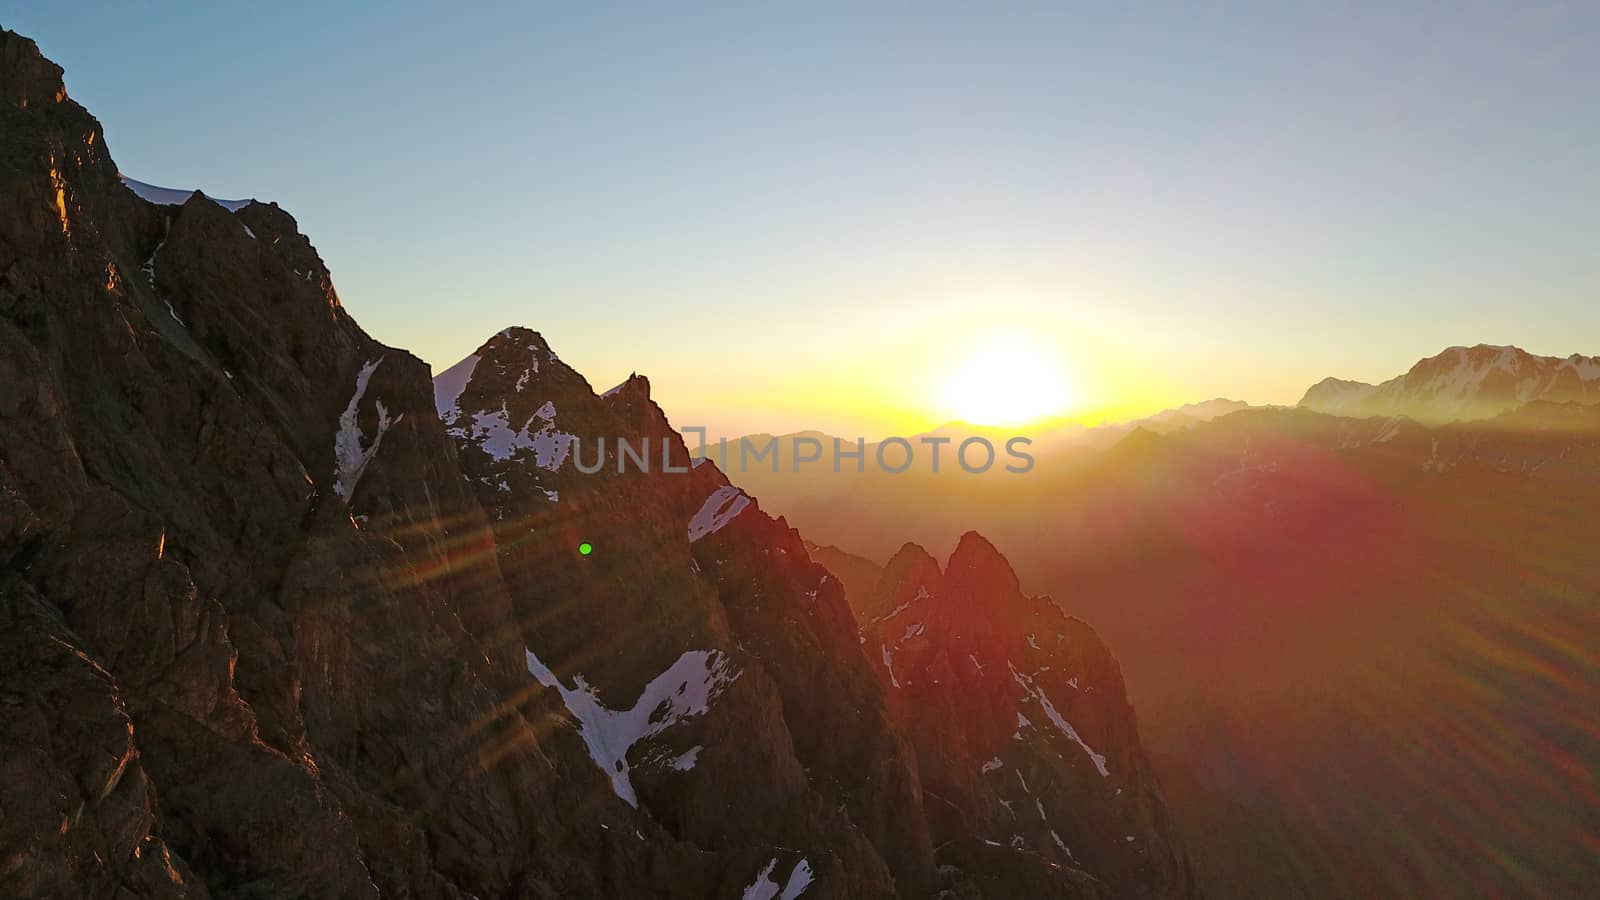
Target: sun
x=1006 y=378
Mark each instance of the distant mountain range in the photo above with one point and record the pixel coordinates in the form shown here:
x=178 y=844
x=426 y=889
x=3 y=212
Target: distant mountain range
x=1458 y=384
x=1046 y=438
x=1463 y=383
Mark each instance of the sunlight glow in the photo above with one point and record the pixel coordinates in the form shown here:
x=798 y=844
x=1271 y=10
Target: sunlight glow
x=1006 y=379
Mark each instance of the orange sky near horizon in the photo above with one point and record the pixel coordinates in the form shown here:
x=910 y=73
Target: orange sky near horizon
x=882 y=372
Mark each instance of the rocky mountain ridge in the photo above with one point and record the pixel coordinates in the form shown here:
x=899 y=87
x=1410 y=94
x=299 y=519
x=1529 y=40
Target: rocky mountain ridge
x=285 y=616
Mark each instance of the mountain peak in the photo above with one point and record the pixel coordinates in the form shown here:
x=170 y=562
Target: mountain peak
x=518 y=337
x=1482 y=348
x=1140 y=442
x=973 y=544
x=911 y=572
x=1332 y=382
x=523 y=355
x=911 y=554
x=1337 y=396
x=976 y=565
x=1202 y=411
x=29 y=78
x=634 y=387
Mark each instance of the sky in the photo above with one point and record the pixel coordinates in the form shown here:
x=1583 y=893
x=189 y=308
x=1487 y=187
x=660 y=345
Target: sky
x=810 y=217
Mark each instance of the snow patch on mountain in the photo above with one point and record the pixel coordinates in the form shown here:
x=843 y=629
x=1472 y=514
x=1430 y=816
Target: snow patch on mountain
x=720 y=508
x=683 y=691
x=686 y=761
x=448 y=385
x=922 y=594
x=1458 y=385
x=1055 y=717
x=350 y=457
x=1391 y=430
x=765 y=888
x=491 y=431
x=799 y=880
x=162 y=196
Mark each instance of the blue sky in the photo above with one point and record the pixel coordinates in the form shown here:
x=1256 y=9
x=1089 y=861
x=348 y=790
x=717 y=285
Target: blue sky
x=796 y=217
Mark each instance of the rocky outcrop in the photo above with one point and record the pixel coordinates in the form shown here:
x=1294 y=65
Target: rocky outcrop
x=1023 y=732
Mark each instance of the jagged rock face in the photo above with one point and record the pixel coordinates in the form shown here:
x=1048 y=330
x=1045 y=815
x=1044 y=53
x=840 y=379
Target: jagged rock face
x=793 y=746
x=1023 y=732
x=250 y=605
x=1463 y=383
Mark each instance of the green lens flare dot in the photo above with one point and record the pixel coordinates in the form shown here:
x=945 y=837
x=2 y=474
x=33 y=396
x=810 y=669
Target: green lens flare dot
x=586 y=548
